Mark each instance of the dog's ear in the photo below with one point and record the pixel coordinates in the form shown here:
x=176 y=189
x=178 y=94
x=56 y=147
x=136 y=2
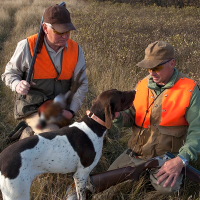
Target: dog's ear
x=108 y=117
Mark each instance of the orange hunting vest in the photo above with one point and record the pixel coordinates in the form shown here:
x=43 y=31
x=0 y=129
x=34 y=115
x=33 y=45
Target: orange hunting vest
x=44 y=68
x=175 y=101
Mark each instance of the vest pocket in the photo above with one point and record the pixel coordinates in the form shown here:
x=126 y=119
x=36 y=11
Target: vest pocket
x=29 y=105
x=171 y=139
x=143 y=138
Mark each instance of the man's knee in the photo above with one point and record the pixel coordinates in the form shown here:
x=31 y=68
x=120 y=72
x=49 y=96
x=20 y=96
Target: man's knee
x=125 y=160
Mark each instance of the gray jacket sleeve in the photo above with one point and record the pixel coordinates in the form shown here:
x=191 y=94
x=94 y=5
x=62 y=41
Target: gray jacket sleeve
x=80 y=94
x=18 y=64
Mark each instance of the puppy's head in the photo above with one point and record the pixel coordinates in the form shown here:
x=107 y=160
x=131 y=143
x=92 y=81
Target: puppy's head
x=51 y=111
x=112 y=101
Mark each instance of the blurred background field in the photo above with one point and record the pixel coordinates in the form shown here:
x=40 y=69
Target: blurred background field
x=113 y=36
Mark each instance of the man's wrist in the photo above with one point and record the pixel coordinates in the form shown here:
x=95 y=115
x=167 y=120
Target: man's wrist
x=14 y=85
x=184 y=160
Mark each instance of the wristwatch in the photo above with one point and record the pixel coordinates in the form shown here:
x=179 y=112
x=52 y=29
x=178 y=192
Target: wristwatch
x=185 y=161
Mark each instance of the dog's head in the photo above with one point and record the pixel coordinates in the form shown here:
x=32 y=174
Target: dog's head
x=111 y=101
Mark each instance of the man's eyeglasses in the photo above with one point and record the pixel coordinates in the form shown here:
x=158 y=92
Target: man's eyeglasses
x=56 y=32
x=159 y=67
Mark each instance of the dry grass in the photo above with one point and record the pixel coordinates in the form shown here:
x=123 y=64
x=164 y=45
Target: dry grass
x=113 y=38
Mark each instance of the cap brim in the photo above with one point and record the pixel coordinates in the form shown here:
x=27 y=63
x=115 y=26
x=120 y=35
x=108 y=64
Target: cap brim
x=148 y=64
x=64 y=27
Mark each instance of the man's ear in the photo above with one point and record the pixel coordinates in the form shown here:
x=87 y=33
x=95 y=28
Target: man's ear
x=108 y=117
x=172 y=63
x=44 y=26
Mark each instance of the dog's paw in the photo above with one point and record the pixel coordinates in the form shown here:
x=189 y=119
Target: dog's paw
x=71 y=193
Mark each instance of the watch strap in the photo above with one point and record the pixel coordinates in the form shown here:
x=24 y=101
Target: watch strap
x=185 y=161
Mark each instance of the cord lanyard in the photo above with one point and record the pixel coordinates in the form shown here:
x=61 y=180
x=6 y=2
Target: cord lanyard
x=147 y=110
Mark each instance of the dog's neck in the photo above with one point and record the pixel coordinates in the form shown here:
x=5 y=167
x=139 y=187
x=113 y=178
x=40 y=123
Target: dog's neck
x=95 y=118
x=96 y=127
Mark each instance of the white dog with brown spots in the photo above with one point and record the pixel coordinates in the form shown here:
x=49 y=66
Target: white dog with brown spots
x=76 y=148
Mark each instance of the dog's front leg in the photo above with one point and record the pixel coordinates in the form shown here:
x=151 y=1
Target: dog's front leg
x=80 y=179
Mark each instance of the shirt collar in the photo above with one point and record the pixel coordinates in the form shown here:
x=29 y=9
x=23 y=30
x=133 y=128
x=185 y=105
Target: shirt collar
x=49 y=49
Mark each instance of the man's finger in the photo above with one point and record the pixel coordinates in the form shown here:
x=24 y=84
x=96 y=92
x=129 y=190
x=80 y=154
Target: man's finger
x=25 y=83
x=33 y=83
x=162 y=178
x=24 y=86
x=169 y=179
x=161 y=171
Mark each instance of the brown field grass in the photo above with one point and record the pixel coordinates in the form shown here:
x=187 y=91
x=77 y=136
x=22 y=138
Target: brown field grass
x=113 y=38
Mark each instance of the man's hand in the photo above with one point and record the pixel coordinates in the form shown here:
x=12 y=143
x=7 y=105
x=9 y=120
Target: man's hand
x=170 y=171
x=23 y=87
x=67 y=114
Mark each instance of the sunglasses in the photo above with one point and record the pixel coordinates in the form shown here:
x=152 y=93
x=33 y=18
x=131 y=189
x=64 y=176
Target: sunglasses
x=159 y=67
x=56 y=32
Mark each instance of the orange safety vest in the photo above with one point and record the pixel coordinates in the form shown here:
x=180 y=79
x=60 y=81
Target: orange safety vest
x=175 y=101
x=44 y=68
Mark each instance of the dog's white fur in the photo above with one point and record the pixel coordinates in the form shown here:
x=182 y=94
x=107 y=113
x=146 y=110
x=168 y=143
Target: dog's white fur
x=66 y=160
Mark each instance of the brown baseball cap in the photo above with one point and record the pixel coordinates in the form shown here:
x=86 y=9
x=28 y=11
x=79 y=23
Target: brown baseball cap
x=59 y=17
x=156 y=53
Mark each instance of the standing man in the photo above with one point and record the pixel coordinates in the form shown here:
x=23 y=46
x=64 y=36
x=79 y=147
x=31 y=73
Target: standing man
x=165 y=117
x=58 y=63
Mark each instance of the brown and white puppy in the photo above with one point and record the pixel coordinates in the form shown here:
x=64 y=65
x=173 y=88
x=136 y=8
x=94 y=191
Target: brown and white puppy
x=76 y=148
x=51 y=112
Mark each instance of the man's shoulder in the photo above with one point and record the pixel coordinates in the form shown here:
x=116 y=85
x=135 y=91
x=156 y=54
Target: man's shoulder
x=187 y=80
x=71 y=41
x=21 y=48
x=182 y=75
x=22 y=44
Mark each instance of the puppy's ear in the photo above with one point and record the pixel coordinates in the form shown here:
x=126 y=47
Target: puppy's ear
x=60 y=99
x=108 y=117
x=44 y=106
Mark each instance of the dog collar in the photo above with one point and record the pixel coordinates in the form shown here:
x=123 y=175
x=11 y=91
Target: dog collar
x=95 y=118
